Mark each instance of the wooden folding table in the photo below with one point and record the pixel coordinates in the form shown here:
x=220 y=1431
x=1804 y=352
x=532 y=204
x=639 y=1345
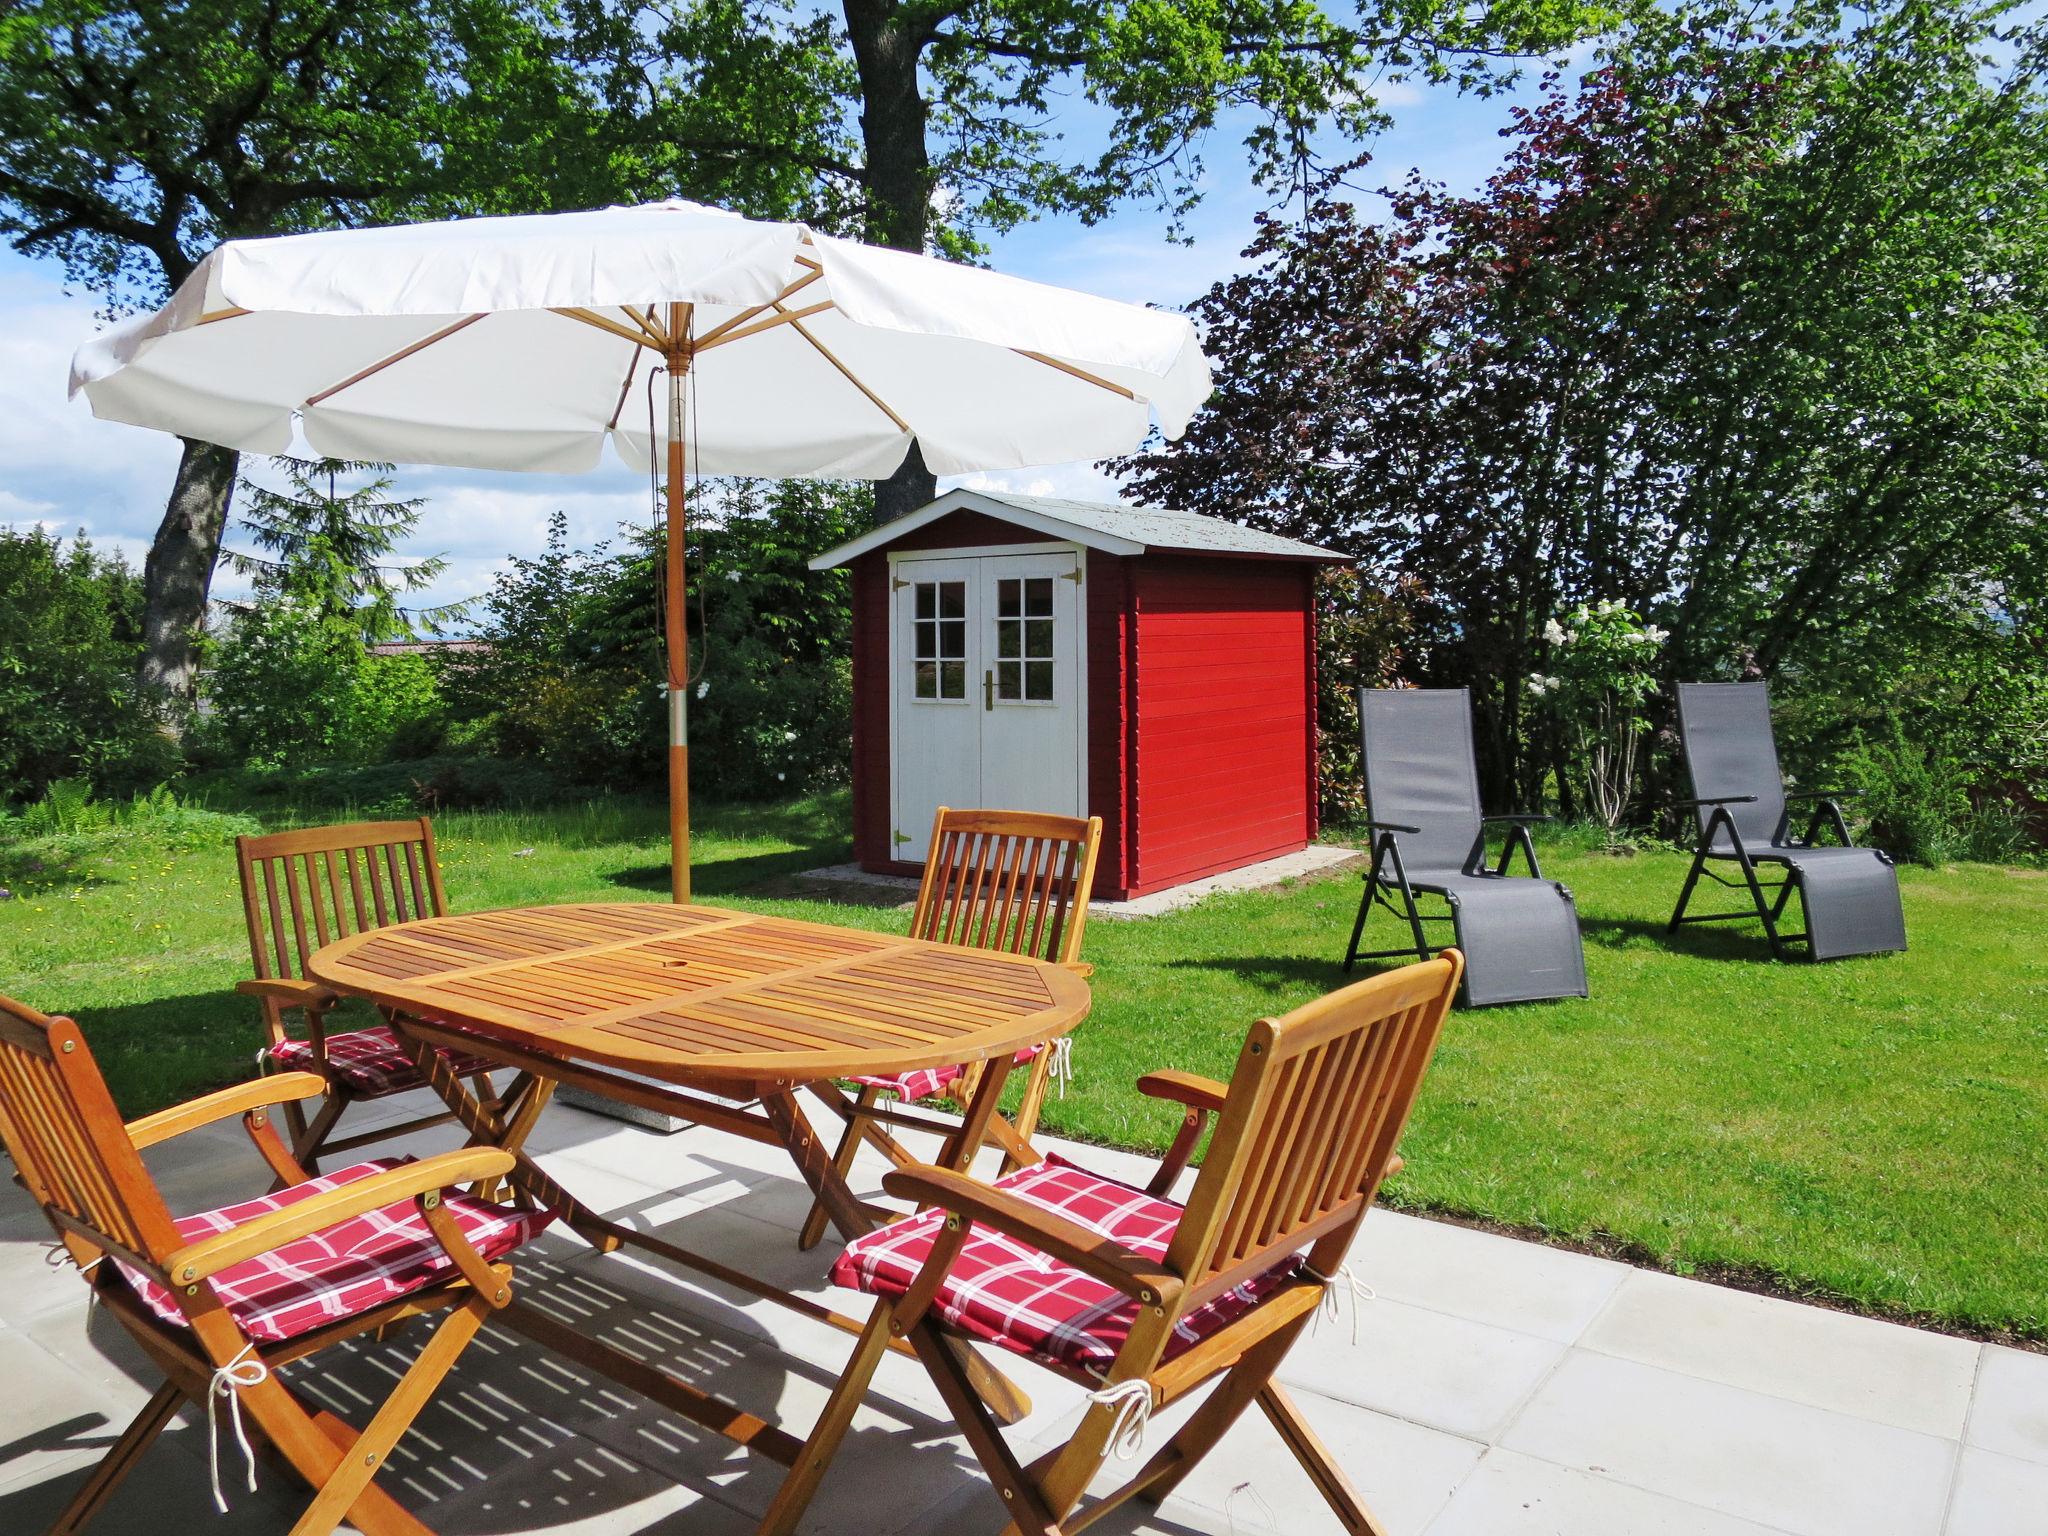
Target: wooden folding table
x=728 y=1013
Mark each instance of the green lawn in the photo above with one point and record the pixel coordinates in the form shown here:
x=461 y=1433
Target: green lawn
x=1871 y=1130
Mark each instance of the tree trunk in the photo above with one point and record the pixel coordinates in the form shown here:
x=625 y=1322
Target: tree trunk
x=893 y=121
x=179 y=572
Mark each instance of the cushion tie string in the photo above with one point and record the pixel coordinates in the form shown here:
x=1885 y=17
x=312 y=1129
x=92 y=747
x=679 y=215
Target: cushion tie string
x=1061 y=1069
x=56 y=1255
x=1332 y=1306
x=242 y=1371
x=1132 y=1401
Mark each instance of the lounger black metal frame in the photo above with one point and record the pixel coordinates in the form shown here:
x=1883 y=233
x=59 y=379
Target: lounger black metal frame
x=1828 y=809
x=1719 y=819
x=1418 y=761
x=1387 y=853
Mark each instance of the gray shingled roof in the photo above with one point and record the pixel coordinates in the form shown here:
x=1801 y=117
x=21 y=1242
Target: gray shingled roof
x=1164 y=528
x=1115 y=523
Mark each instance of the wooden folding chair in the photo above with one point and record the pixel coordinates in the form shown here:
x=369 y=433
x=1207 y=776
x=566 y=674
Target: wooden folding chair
x=1136 y=1296
x=221 y=1300
x=1014 y=881
x=301 y=890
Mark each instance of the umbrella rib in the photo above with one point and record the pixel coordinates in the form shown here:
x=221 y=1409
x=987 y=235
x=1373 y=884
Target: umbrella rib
x=1079 y=373
x=230 y=313
x=851 y=377
x=718 y=332
x=625 y=333
x=786 y=317
x=397 y=357
x=645 y=323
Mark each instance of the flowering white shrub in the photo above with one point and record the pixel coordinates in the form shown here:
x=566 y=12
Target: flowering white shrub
x=1605 y=657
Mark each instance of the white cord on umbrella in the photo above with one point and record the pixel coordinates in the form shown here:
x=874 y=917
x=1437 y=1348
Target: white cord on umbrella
x=242 y=1371
x=1332 y=1306
x=1132 y=1401
x=1061 y=1069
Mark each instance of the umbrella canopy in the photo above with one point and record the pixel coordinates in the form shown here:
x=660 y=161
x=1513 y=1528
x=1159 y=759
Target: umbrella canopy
x=513 y=343
x=517 y=343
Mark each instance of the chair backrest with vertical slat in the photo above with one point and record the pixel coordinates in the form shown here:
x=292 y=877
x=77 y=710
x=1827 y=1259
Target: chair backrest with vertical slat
x=1316 y=1107
x=306 y=888
x=1015 y=881
x=68 y=1141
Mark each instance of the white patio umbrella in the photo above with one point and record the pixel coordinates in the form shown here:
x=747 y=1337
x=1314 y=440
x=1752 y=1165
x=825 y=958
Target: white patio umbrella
x=516 y=343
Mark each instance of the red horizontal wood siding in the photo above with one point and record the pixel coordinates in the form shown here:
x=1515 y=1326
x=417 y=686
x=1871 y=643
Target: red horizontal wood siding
x=1105 y=590
x=1222 y=755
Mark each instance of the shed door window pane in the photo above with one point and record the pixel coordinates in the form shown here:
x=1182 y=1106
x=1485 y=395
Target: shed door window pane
x=938 y=648
x=1024 y=639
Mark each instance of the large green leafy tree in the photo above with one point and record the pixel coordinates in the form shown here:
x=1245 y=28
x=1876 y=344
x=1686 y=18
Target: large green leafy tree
x=135 y=136
x=927 y=124
x=1746 y=334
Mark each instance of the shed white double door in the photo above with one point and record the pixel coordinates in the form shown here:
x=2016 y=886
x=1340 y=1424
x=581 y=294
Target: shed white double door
x=986 y=693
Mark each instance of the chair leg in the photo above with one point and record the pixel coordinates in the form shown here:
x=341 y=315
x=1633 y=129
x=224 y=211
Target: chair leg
x=368 y=1452
x=1372 y=880
x=1692 y=879
x=1030 y=1512
x=801 y=1485
x=1033 y=1102
x=1224 y=1405
x=120 y=1459
x=842 y=1160
x=1318 y=1463
x=306 y=1147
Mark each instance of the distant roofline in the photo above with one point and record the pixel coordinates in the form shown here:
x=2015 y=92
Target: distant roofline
x=1038 y=515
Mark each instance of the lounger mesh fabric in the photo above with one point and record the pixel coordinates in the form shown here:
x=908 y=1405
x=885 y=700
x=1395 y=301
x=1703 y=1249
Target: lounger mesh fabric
x=1010 y=1294
x=370 y=1061
x=342 y=1270
x=1520 y=935
x=1851 y=895
x=927 y=1082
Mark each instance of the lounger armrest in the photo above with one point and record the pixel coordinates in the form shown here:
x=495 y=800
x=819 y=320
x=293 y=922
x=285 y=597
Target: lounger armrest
x=1520 y=819
x=1081 y=968
x=1394 y=826
x=1114 y=1265
x=223 y=1250
x=260 y=1093
x=1693 y=805
x=290 y=992
x=1824 y=794
x=1184 y=1088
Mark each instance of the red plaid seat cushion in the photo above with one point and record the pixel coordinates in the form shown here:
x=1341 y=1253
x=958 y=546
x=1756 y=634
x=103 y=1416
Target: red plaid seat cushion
x=1008 y=1293
x=928 y=1082
x=343 y=1270
x=370 y=1062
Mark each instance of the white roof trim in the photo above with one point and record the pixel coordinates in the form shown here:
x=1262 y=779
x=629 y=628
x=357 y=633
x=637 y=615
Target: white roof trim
x=964 y=500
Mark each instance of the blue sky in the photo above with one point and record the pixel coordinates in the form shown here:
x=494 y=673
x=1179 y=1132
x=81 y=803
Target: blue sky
x=69 y=472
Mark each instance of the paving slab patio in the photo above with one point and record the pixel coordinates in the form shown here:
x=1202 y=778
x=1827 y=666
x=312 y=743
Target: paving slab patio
x=1488 y=1387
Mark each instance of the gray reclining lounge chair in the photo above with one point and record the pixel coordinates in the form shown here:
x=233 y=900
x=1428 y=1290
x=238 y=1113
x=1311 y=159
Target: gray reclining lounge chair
x=1519 y=933
x=1850 y=894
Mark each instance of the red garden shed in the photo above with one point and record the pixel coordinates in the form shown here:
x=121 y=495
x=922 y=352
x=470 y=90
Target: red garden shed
x=1153 y=668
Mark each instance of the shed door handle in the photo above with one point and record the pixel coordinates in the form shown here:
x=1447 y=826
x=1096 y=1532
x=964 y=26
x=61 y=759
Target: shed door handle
x=988 y=690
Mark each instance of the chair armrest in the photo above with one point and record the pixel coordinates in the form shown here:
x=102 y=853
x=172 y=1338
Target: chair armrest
x=1394 y=826
x=1825 y=794
x=210 y=1255
x=1693 y=805
x=1071 y=1243
x=1080 y=968
x=259 y=1093
x=1187 y=1088
x=1520 y=818
x=289 y=991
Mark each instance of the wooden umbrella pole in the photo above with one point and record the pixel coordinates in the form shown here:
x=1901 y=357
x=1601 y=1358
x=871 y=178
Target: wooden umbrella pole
x=675 y=630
